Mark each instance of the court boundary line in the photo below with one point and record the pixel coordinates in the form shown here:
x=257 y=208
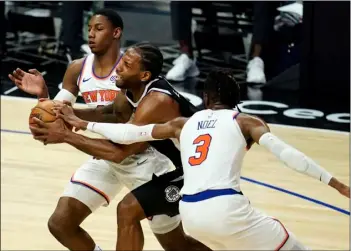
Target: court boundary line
x=327 y=205
x=318 y=202
x=5 y=97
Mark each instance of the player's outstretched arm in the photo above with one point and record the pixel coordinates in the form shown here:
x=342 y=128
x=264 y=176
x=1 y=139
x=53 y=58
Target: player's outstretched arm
x=57 y=132
x=129 y=133
x=155 y=108
x=143 y=128
x=32 y=82
x=171 y=129
x=293 y=158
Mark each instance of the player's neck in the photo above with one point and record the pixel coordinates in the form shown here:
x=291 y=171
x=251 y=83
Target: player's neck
x=137 y=92
x=219 y=106
x=108 y=59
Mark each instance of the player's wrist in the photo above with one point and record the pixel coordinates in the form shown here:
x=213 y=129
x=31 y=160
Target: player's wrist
x=334 y=183
x=44 y=93
x=67 y=137
x=83 y=125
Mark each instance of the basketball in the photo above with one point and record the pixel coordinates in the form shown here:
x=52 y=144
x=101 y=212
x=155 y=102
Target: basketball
x=43 y=111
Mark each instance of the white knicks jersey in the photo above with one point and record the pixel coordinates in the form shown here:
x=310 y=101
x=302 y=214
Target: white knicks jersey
x=212 y=148
x=96 y=90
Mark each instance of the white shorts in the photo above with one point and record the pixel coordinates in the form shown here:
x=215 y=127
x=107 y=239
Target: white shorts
x=228 y=222
x=97 y=182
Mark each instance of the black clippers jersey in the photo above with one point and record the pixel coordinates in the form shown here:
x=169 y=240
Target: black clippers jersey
x=187 y=109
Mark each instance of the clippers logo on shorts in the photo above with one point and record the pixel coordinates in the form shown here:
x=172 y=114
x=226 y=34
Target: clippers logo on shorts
x=172 y=194
x=99 y=96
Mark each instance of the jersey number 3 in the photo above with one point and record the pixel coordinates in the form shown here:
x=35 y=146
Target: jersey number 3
x=203 y=143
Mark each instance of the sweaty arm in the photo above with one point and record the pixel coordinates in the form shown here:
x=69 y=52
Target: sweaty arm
x=119 y=111
x=290 y=156
x=154 y=108
x=129 y=133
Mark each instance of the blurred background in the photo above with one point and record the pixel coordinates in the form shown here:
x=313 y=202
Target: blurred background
x=292 y=59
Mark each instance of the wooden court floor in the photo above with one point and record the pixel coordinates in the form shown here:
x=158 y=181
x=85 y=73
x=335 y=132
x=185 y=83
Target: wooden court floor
x=33 y=177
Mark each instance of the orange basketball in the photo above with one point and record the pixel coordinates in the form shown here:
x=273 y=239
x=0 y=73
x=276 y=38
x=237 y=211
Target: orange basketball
x=43 y=111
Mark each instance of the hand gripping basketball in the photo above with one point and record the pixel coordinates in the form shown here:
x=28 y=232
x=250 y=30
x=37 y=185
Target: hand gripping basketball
x=44 y=111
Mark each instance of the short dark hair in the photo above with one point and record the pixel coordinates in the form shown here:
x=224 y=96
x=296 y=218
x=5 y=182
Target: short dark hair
x=112 y=16
x=151 y=58
x=222 y=87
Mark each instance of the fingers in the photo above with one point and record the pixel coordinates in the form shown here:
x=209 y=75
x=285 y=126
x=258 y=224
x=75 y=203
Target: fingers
x=67 y=110
x=62 y=108
x=16 y=76
x=58 y=106
x=35 y=72
x=14 y=80
x=37 y=131
x=67 y=102
x=61 y=116
x=64 y=102
x=40 y=123
x=57 y=112
x=66 y=119
x=18 y=73
x=43 y=99
x=40 y=138
x=17 y=82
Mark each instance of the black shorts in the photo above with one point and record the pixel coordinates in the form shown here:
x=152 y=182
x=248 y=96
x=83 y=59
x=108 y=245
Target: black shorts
x=161 y=194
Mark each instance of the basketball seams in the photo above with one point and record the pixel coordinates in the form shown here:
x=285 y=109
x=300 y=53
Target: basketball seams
x=40 y=108
x=38 y=111
x=44 y=115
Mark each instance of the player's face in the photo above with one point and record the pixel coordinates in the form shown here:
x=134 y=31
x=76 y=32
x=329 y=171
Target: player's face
x=129 y=73
x=101 y=34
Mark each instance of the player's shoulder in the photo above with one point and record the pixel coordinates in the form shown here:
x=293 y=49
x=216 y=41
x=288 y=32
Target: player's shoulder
x=160 y=84
x=245 y=120
x=78 y=62
x=75 y=66
x=245 y=116
x=224 y=113
x=158 y=97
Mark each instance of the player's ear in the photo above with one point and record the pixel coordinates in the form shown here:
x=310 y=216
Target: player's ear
x=117 y=33
x=145 y=76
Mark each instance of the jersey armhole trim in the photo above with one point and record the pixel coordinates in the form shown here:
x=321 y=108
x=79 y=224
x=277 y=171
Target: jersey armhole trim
x=235 y=115
x=112 y=70
x=159 y=90
x=238 y=128
x=82 y=71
